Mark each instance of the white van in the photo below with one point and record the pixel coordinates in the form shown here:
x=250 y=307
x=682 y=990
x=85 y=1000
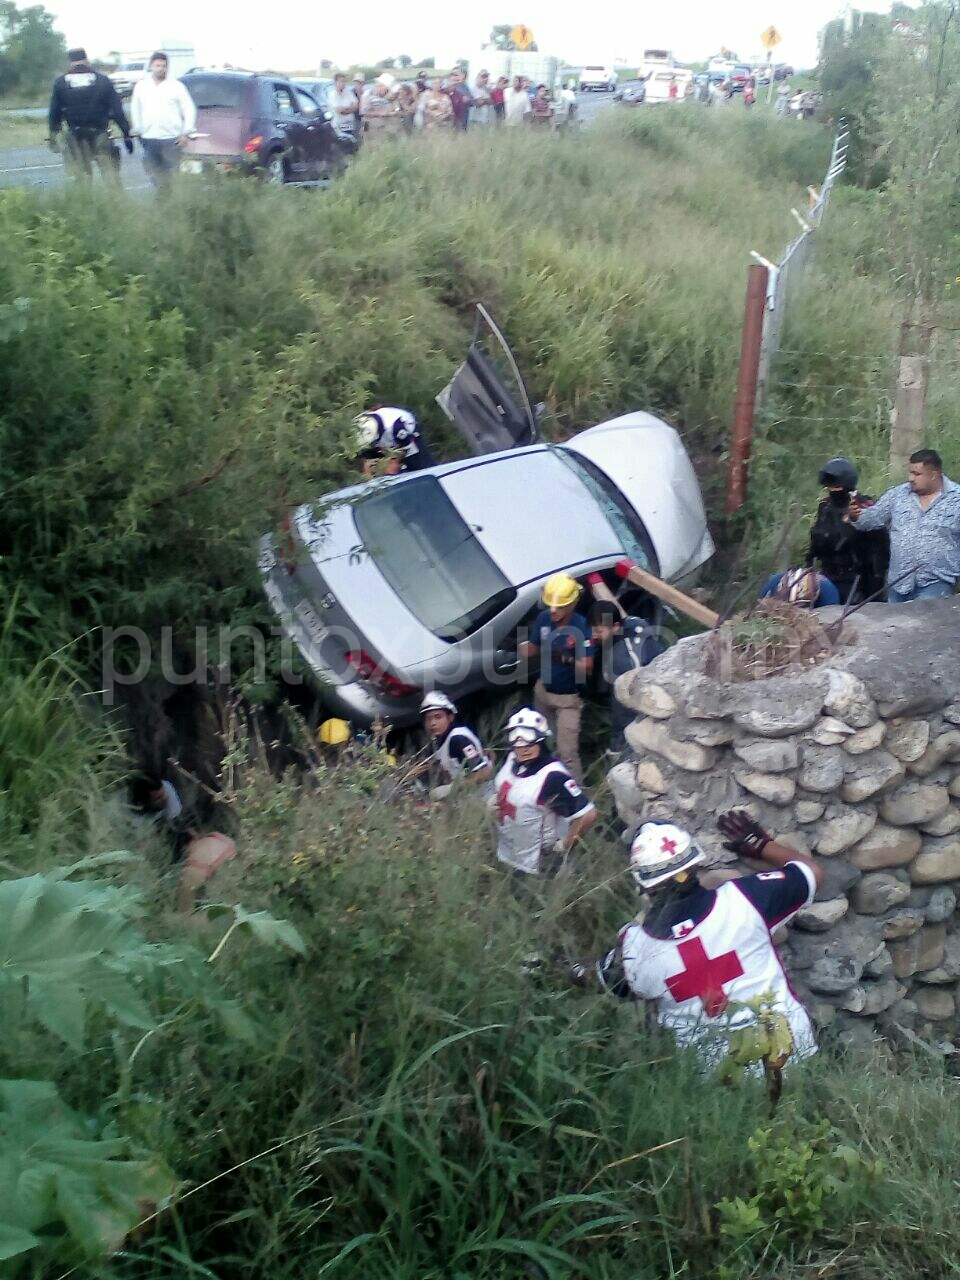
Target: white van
x=602 y=78
x=658 y=84
x=133 y=66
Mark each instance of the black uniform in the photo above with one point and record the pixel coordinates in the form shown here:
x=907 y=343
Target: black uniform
x=636 y=645
x=87 y=103
x=843 y=554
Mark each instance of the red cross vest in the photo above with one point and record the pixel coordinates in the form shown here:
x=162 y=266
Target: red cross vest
x=526 y=827
x=694 y=977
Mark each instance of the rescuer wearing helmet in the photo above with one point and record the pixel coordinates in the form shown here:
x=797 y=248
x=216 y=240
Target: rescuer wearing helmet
x=803 y=587
x=389 y=441
x=540 y=809
x=700 y=951
x=562 y=639
x=457 y=751
x=848 y=558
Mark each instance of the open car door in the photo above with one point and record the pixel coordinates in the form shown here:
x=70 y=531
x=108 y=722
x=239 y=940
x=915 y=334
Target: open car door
x=491 y=411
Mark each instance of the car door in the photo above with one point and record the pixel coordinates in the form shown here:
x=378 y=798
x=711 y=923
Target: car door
x=290 y=125
x=318 y=137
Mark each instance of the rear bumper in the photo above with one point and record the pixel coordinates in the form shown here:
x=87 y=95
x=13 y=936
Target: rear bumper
x=200 y=164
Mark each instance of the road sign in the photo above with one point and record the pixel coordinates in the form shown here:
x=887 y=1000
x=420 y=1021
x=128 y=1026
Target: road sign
x=521 y=37
x=771 y=38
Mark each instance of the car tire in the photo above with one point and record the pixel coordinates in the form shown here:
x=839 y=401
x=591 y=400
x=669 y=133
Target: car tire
x=275 y=172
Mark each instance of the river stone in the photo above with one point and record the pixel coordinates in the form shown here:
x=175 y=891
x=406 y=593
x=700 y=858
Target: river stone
x=923 y=950
x=864 y=740
x=847 y=699
x=793 y=840
x=943 y=748
x=907 y=739
x=881 y=995
x=938 y=862
x=954 y=787
x=650 y=777
x=878 y=892
x=902 y=923
x=886 y=847
x=879 y=967
x=829 y=732
x=768 y=755
x=952 y=713
x=822 y=1012
x=913 y=803
x=935 y=1004
x=808 y=810
x=854 y=1000
x=942 y=905
x=708 y=733
x=778 y=716
x=653 y=700
x=832 y=975
x=821 y=916
x=870 y=774
x=839 y=877
x=948 y=970
x=651 y=735
x=838 y=833
x=822 y=769
x=945 y=825
x=774 y=788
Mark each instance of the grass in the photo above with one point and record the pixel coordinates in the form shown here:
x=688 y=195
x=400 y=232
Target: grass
x=21 y=131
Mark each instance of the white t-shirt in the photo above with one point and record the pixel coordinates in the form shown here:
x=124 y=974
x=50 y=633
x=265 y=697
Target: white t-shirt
x=343 y=121
x=162 y=110
x=516 y=103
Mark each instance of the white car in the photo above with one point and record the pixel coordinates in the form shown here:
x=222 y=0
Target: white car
x=601 y=78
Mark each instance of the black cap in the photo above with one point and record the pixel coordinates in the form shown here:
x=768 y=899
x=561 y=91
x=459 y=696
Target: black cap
x=839 y=471
x=76 y=55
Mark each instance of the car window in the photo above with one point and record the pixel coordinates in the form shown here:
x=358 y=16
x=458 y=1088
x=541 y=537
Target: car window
x=308 y=103
x=624 y=520
x=211 y=93
x=283 y=100
x=430 y=557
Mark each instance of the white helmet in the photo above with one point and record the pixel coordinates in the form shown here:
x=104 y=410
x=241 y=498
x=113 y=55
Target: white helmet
x=436 y=701
x=368 y=428
x=526 y=726
x=661 y=851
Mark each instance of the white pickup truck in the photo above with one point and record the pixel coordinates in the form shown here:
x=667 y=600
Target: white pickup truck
x=602 y=78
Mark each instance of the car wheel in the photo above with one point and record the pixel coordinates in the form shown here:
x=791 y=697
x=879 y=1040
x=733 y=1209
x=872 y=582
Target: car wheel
x=276 y=170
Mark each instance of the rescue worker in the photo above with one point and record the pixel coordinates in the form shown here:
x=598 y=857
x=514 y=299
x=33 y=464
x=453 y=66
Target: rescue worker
x=803 y=587
x=540 y=809
x=844 y=555
x=457 y=752
x=561 y=639
x=87 y=103
x=389 y=441
x=620 y=644
x=698 y=951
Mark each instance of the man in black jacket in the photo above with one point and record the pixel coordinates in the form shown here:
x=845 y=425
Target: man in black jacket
x=87 y=102
x=621 y=644
x=843 y=555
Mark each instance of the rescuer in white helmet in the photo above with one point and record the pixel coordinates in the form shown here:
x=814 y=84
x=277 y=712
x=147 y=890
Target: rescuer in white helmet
x=540 y=808
x=389 y=441
x=457 y=752
x=700 y=954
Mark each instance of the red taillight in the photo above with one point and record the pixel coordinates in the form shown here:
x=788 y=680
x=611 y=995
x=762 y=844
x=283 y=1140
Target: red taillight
x=368 y=668
x=253 y=146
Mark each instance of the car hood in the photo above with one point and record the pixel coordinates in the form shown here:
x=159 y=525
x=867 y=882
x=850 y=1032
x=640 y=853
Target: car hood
x=645 y=458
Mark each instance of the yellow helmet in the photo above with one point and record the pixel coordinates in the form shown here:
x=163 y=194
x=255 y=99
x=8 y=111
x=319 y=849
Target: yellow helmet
x=334 y=733
x=559 y=590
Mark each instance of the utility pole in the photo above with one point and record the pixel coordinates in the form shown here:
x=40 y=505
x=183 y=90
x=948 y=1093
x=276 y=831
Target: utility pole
x=745 y=403
x=913 y=375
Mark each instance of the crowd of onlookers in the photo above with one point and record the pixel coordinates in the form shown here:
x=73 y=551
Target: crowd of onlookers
x=444 y=103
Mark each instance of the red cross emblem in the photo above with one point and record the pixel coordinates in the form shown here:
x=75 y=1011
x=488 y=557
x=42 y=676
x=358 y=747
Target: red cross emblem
x=704 y=977
x=504 y=808
x=667 y=845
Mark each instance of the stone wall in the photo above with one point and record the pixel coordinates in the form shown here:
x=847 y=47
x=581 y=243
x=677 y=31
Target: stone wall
x=854 y=758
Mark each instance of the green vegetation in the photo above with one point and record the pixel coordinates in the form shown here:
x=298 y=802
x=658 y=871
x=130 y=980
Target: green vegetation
x=22 y=131
x=413 y=1098
x=31 y=51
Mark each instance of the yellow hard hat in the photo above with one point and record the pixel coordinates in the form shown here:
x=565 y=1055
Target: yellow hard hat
x=334 y=733
x=559 y=590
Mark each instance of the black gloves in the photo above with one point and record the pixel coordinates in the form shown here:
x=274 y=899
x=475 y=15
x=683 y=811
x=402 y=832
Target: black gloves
x=743 y=835
x=128 y=143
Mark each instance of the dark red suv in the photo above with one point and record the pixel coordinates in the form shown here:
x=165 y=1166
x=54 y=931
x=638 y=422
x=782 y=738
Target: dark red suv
x=260 y=124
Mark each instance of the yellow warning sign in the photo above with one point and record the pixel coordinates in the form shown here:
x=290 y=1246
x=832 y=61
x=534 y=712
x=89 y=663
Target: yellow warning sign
x=521 y=37
x=771 y=38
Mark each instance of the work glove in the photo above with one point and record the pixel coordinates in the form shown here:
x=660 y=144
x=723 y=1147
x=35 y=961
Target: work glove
x=743 y=835
x=128 y=143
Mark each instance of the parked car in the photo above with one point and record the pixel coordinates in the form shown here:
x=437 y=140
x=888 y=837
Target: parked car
x=422 y=580
x=632 y=94
x=260 y=124
x=602 y=78
x=738 y=77
x=782 y=71
x=659 y=82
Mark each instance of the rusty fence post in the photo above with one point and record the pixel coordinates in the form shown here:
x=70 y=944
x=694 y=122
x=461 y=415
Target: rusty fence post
x=745 y=403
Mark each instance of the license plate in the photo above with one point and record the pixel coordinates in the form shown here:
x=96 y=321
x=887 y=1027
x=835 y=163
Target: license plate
x=191 y=166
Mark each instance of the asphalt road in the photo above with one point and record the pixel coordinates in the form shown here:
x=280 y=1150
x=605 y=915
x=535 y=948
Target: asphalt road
x=40 y=168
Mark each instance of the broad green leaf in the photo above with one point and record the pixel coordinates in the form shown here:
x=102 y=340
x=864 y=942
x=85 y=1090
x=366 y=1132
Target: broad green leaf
x=236 y=1023
x=14 y=1240
x=60 y=1007
x=267 y=929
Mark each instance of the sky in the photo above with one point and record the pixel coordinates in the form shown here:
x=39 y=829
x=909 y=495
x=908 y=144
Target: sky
x=242 y=32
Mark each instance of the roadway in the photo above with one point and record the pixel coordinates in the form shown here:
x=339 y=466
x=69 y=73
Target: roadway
x=39 y=168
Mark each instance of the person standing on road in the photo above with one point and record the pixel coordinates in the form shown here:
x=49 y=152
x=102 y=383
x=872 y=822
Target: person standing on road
x=87 y=103
x=517 y=108
x=482 y=110
x=435 y=109
x=342 y=101
x=923 y=517
x=561 y=639
x=497 y=98
x=164 y=116
x=674 y=89
x=750 y=92
x=462 y=100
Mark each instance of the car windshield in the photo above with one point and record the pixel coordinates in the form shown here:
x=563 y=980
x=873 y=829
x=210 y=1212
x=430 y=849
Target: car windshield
x=430 y=557
x=216 y=93
x=623 y=519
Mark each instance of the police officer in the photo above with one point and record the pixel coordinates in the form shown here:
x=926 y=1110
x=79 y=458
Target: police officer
x=87 y=102
x=561 y=639
x=389 y=441
x=621 y=643
x=845 y=556
x=457 y=751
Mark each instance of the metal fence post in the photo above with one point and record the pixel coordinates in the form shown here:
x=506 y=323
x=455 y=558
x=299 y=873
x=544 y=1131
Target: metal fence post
x=745 y=402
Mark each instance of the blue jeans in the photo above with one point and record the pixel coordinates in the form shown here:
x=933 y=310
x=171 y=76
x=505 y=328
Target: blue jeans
x=932 y=591
x=161 y=160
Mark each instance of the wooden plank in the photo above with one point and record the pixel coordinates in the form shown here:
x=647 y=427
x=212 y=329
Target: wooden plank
x=670 y=595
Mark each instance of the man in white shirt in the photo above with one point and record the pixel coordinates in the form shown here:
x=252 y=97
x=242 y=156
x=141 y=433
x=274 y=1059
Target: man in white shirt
x=164 y=116
x=342 y=101
x=517 y=103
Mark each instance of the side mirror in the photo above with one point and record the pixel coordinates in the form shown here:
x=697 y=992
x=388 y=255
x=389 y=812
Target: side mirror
x=328 y=115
